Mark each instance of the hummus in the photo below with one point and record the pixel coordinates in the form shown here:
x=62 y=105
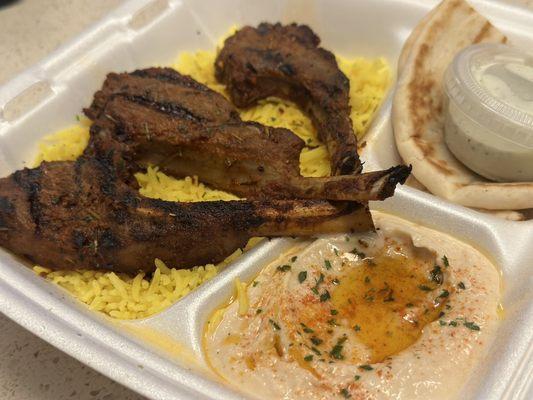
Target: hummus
x=404 y=313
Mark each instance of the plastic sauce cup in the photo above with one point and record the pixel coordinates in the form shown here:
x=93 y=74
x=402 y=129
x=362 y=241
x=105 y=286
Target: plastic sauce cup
x=489 y=111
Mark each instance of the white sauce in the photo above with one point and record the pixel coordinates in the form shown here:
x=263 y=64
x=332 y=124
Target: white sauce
x=485 y=153
x=486 y=127
x=509 y=82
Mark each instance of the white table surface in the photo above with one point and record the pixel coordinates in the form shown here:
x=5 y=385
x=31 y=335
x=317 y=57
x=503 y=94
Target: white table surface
x=29 y=367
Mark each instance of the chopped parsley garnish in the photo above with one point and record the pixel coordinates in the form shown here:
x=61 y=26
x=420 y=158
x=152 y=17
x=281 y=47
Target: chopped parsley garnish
x=442 y=323
x=259 y=311
x=325 y=296
x=255 y=283
x=356 y=377
x=344 y=393
x=283 y=268
x=461 y=285
x=358 y=253
x=453 y=323
x=472 y=326
x=332 y=321
x=409 y=305
x=425 y=288
x=306 y=328
x=308 y=357
x=445 y=261
x=327 y=263
x=436 y=275
x=346 y=238
x=316 y=341
x=336 y=351
x=320 y=279
x=274 y=325
x=333 y=312
x=302 y=276
x=366 y=367
x=335 y=281
x=368 y=297
x=336 y=251
x=294 y=258
x=444 y=294
x=316 y=351
x=357 y=328
x=389 y=296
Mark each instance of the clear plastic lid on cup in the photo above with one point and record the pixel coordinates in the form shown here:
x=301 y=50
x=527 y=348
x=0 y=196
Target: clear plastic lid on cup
x=489 y=111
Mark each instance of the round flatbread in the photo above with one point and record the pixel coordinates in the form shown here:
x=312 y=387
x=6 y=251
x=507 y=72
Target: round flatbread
x=417 y=113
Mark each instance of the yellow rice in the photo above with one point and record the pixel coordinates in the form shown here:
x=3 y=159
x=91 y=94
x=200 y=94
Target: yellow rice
x=127 y=297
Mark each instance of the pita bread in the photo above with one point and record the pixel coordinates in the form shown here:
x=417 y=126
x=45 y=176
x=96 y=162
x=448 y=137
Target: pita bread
x=503 y=214
x=417 y=113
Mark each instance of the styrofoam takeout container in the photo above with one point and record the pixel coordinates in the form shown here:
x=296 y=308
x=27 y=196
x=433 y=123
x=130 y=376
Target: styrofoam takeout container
x=142 y=33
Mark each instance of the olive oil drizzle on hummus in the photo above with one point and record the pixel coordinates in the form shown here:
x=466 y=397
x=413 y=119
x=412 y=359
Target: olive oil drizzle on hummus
x=389 y=298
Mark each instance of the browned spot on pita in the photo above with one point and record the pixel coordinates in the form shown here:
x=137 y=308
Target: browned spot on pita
x=422 y=104
x=504 y=40
x=484 y=31
x=428 y=151
x=442 y=165
x=426 y=148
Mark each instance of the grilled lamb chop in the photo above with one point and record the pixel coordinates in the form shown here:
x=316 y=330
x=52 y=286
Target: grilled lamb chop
x=88 y=214
x=185 y=128
x=73 y=215
x=286 y=61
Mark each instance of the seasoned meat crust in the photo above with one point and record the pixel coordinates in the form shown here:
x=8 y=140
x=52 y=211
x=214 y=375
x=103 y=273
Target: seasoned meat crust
x=187 y=129
x=75 y=215
x=286 y=61
x=88 y=213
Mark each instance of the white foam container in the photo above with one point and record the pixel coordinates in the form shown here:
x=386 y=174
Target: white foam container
x=142 y=33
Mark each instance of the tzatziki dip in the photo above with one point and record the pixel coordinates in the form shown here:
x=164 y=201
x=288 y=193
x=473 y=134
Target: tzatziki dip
x=489 y=111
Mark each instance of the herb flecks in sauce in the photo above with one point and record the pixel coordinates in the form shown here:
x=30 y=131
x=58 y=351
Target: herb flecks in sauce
x=388 y=301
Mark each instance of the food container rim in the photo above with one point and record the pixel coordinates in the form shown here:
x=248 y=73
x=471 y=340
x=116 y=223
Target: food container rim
x=46 y=312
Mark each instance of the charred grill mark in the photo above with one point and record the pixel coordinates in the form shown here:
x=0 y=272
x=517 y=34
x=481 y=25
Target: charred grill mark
x=77 y=177
x=108 y=176
x=79 y=239
x=169 y=76
x=287 y=69
x=267 y=54
x=251 y=68
x=121 y=216
x=6 y=206
x=108 y=240
x=29 y=181
x=171 y=109
x=131 y=200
